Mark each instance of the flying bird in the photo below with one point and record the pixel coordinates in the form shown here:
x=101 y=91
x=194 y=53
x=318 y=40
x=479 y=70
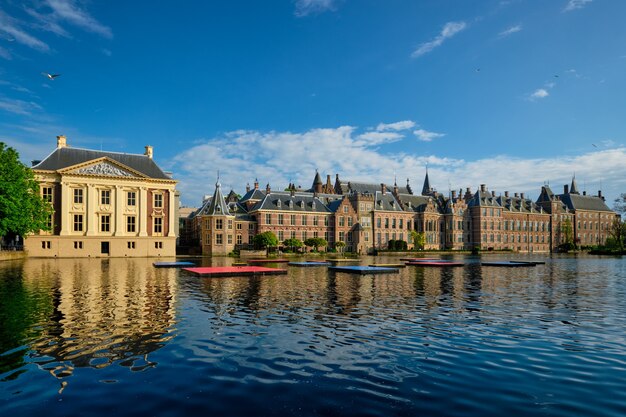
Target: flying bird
x=50 y=76
x=594 y=145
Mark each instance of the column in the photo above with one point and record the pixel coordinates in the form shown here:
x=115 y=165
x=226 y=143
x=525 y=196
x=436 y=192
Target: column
x=142 y=216
x=65 y=208
x=119 y=211
x=171 y=212
x=92 y=209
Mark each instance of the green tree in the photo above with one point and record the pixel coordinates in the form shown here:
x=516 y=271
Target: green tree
x=339 y=245
x=315 y=242
x=265 y=240
x=617 y=235
x=22 y=210
x=293 y=243
x=419 y=240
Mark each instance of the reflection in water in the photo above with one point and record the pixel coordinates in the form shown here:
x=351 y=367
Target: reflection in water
x=472 y=340
x=99 y=312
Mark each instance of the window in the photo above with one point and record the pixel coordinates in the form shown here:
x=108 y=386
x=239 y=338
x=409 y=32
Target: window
x=78 y=245
x=208 y=239
x=342 y=221
x=131 y=245
x=281 y=236
x=315 y=221
x=49 y=222
x=293 y=219
x=250 y=226
x=78 y=222
x=78 y=196
x=219 y=224
x=342 y=236
x=105 y=223
x=239 y=239
x=131 y=198
x=158 y=200
x=303 y=220
x=158 y=225
x=130 y=224
x=325 y=220
x=393 y=223
x=46 y=193
x=230 y=224
x=345 y=209
x=45 y=244
x=105 y=197
x=386 y=223
x=239 y=226
x=229 y=238
x=268 y=218
x=281 y=219
x=378 y=224
x=219 y=239
x=366 y=236
x=158 y=245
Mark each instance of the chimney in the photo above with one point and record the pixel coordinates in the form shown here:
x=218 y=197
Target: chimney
x=247 y=187
x=521 y=196
x=566 y=189
x=61 y=141
x=584 y=192
x=292 y=191
x=149 y=151
x=600 y=195
x=483 y=187
x=516 y=195
x=268 y=189
x=453 y=193
x=506 y=194
x=383 y=188
x=256 y=184
x=493 y=193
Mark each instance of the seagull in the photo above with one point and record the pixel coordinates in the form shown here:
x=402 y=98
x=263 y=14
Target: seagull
x=594 y=145
x=50 y=76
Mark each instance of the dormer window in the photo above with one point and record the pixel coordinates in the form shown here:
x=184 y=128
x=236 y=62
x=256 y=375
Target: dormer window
x=218 y=208
x=278 y=203
x=313 y=205
x=302 y=204
x=290 y=204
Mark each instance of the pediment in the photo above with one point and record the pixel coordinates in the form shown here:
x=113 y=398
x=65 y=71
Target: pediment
x=103 y=167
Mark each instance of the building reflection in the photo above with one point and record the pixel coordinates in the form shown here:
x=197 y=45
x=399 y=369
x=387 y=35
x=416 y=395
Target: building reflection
x=103 y=312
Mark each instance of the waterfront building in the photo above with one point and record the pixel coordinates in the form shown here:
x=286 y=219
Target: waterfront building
x=105 y=204
x=367 y=216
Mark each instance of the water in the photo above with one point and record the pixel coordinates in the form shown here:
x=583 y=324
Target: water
x=118 y=337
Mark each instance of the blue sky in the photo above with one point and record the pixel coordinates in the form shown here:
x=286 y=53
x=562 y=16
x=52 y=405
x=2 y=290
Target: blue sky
x=513 y=93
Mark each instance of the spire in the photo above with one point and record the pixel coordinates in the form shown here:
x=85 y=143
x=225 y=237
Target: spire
x=218 y=206
x=426 y=188
x=317 y=183
x=573 y=189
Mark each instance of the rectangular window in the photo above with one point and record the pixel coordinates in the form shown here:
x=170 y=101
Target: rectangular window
x=158 y=225
x=78 y=222
x=105 y=197
x=386 y=223
x=342 y=236
x=219 y=224
x=281 y=219
x=131 y=224
x=378 y=222
x=49 y=222
x=78 y=196
x=293 y=219
x=46 y=193
x=239 y=240
x=303 y=220
x=131 y=245
x=158 y=245
x=350 y=220
x=131 y=198
x=250 y=226
x=345 y=209
x=239 y=226
x=325 y=220
x=268 y=218
x=250 y=239
x=393 y=223
x=281 y=236
x=229 y=238
x=158 y=200
x=78 y=245
x=105 y=223
x=315 y=221
x=208 y=239
x=342 y=221
x=219 y=239
x=230 y=224
x=366 y=236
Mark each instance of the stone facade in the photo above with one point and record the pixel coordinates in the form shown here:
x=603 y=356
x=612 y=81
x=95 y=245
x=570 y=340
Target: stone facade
x=105 y=205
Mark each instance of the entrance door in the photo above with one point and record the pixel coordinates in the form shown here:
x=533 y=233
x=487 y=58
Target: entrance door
x=104 y=248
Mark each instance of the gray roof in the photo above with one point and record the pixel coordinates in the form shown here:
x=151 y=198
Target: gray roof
x=426 y=189
x=368 y=188
x=517 y=204
x=584 y=202
x=415 y=203
x=66 y=157
x=483 y=198
x=299 y=202
x=386 y=202
x=253 y=194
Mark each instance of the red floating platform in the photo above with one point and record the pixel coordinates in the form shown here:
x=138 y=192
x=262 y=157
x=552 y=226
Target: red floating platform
x=235 y=271
x=267 y=261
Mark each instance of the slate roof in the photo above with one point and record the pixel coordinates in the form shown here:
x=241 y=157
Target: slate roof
x=368 y=188
x=483 y=198
x=584 y=202
x=416 y=203
x=253 y=194
x=426 y=189
x=517 y=204
x=300 y=202
x=386 y=202
x=62 y=158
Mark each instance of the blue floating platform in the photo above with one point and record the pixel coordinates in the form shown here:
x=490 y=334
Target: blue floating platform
x=309 y=264
x=364 y=269
x=173 y=264
x=530 y=262
x=509 y=264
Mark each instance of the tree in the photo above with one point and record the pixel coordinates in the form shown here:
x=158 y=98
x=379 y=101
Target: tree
x=419 y=240
x=315 y=242
x=293 y=243
x=620 y=204
x=22 y=209
x=340 y=245
x=617 y=234
x=265 y=240
x=568 y=234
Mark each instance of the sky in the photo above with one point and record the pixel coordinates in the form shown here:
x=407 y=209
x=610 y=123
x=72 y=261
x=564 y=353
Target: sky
x=512 y=94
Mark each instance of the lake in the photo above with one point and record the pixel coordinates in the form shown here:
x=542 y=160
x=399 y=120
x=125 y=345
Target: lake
x=95 y=337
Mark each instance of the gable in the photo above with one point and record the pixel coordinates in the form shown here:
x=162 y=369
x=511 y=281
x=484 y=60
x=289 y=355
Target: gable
x=103 y=167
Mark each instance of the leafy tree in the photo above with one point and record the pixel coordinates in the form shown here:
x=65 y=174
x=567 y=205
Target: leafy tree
x=265 y=240
x=22 y=210
x=340 y=245
x=293 y=243
x=419 y=240
x=315 y=242
x=617 y=234
x=568 y=234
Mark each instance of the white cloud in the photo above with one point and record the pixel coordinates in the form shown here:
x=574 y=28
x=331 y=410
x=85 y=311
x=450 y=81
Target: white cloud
x=426 y=136
x=575 y=4
x=403 y=125
x=449 y=30
x=11 y=27
x=4 y=53
x=24 y=108
x=308 y=7
x=376 y=138
x=67 y=10
x=510 y=31
x=538 y=94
